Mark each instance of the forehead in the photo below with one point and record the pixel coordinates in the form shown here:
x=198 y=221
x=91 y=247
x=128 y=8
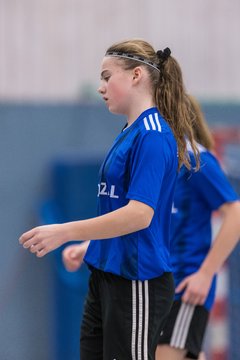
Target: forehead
x=110 y=63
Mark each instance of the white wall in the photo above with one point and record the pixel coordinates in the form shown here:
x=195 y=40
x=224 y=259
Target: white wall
x=52 y=49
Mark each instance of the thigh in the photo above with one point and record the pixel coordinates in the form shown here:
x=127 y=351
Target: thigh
x=133 y=315
x=91 y=336
x=166 y=352
x=161 y=292
x=185 y=328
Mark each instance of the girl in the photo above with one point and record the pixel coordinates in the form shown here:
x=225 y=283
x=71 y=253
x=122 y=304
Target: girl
x=131 y=286
x=195 y=262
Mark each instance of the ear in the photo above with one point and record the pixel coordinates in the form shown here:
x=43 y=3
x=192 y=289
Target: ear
x=137 y=74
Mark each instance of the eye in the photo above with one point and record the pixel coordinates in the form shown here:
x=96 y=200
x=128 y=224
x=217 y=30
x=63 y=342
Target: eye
x=106 y=78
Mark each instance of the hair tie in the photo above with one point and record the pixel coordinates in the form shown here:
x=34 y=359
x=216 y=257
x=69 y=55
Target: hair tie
x=163 y=55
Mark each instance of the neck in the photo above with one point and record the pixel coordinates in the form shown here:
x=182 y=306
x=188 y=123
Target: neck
x=138 y=110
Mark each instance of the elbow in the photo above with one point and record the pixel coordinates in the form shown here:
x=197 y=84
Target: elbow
x=141 y=215
x=232 y=208
x=145 y=218
x=147 y=222
x=237 y=210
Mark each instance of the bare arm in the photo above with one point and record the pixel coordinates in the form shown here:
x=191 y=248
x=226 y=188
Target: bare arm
x=197 y=285
x=225 y=240
x=133 y=217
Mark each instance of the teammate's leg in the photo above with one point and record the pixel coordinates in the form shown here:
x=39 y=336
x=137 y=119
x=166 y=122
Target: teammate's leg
x=183 y=333
x=202 y=356
x=170 y=353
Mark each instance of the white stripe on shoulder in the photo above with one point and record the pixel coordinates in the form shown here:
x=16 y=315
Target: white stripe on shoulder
x=158 y=122
x=152 y=122
x=146 y=124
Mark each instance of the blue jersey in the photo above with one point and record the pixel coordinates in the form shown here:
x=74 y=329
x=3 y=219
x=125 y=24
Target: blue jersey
x=141 y=165
x=197 y=195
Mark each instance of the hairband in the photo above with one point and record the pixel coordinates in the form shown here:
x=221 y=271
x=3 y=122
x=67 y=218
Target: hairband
x=133 y=57
x=163 y=55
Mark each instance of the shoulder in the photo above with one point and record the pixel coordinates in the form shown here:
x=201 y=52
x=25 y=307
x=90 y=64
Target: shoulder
x=207 y=158
x=210 y=169
x=154 y=122
x=152 y=134
x=152 y=125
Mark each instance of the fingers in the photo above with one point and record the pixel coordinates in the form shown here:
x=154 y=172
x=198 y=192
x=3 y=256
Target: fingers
x=29 y=244
x=24 y=238
x=181 y=286
x=72 y=257
x=33 y=246
x=37 y=250
x=193 y=300
x=38 y=241
x=33 y=243
x=70 y=261
x=71 y=264
x=71 y=267
x=194 y=297
x=191 y=295
x=189 y=299
x=41 y=253
x=29 y=241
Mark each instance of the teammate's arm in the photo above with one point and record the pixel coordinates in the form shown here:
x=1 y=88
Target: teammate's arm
x=73 y=255
x=197 y=285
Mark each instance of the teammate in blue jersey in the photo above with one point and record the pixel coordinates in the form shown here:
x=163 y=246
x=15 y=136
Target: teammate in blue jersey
x=131 y=285
x=195 y=262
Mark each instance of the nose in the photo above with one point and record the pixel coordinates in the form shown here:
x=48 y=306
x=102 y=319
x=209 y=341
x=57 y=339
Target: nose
x=101 y=90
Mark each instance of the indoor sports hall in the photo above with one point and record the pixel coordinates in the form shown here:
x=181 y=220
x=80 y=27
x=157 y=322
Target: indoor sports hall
x=55 y=131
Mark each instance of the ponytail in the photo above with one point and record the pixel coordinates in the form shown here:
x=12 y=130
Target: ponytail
x=174 y=105
x=201 y=131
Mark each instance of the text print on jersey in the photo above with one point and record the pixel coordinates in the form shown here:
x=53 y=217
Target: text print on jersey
x=174 y=209
x=103 y=190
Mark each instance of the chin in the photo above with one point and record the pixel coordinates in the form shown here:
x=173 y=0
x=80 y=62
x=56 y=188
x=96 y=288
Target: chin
x=114 y=111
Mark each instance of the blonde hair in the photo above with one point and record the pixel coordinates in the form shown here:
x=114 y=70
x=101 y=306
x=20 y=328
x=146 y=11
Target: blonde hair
x=201 y=131
x=168 y=92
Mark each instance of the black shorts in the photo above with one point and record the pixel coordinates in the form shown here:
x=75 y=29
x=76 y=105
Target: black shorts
x=185 y=328
x=122 y=318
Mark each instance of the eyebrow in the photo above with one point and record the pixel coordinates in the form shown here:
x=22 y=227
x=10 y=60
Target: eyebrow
x=103 y=73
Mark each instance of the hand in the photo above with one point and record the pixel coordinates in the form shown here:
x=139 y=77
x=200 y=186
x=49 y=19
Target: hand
x=43 y=239
x=73 y=255
x=196 y=288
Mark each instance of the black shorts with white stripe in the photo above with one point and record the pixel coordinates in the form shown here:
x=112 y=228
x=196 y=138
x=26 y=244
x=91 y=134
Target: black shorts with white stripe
x=122 y=318
x=185 y=328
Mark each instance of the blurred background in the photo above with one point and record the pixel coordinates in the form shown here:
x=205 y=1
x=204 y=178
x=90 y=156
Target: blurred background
x=54 y=132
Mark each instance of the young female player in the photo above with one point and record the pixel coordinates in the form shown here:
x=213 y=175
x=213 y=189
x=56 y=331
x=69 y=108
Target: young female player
x=131 y=286
x=195 y=262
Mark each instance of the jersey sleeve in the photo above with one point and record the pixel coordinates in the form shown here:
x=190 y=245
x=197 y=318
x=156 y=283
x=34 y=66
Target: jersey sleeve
x=212 y=183
x=147 y=168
